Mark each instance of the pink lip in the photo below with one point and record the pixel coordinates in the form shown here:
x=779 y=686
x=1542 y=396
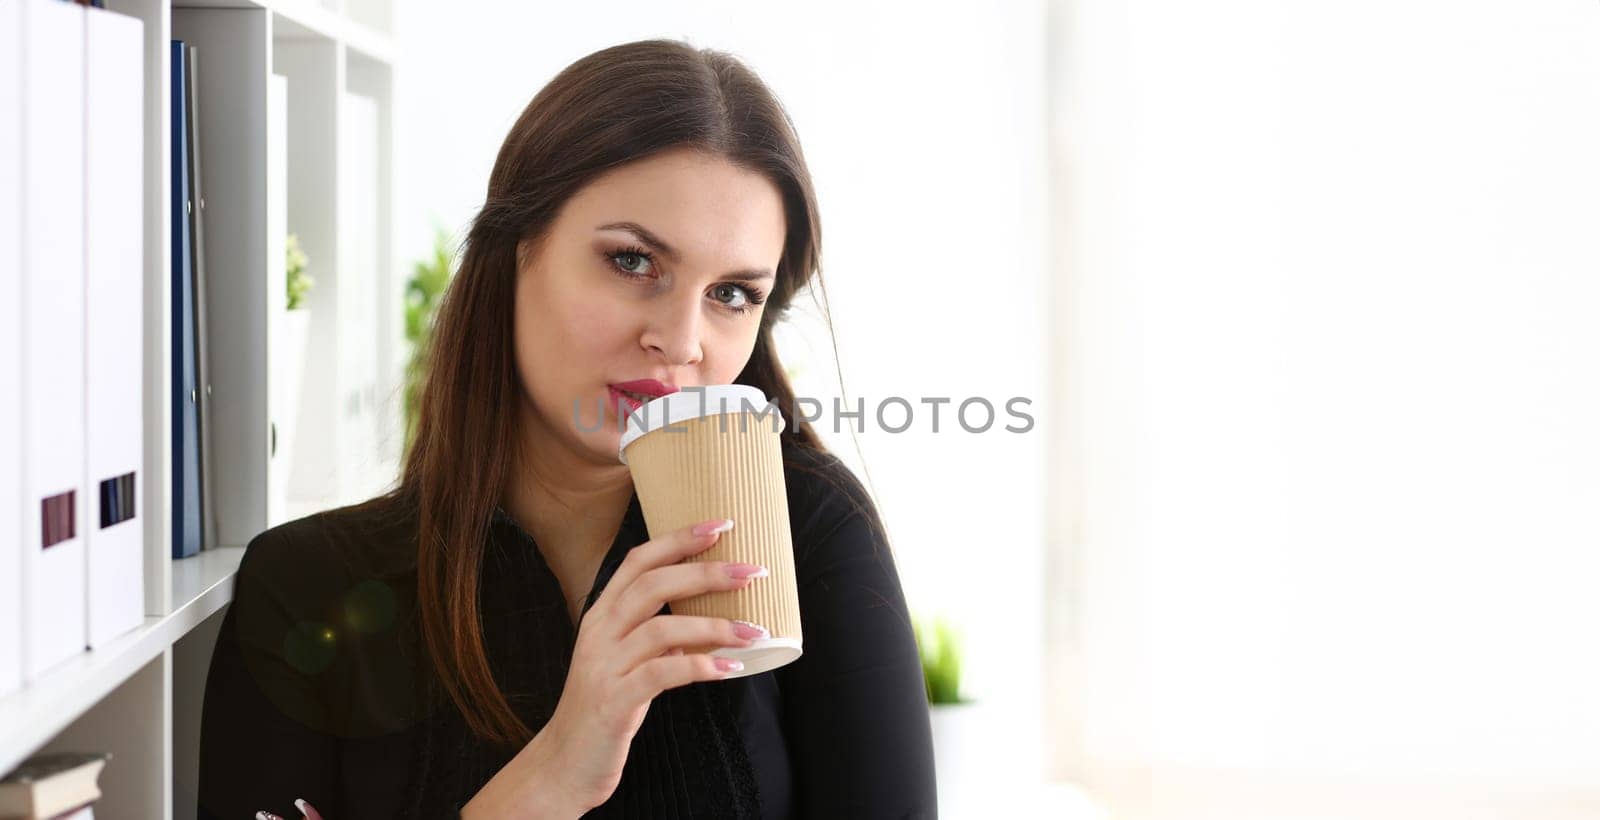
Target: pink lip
x=626 y=400
x=649 y=387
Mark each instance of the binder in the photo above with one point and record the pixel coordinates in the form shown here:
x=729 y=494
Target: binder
x=280 y=424
x=114 y=310
x=54 y=568
x=197 y=256
x=10 y=348
x=185 y=383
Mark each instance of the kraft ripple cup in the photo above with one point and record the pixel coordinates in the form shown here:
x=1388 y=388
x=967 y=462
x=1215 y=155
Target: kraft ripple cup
x=713 y=452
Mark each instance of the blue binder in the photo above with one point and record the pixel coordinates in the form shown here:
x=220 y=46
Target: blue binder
x=185 y=381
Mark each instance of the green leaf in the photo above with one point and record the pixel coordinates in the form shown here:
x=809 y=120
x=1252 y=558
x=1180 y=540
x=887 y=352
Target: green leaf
x=298 y=281
x=940 y=646
x=427 y=284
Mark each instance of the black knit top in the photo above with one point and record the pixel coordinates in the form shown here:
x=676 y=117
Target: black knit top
x=318 y=688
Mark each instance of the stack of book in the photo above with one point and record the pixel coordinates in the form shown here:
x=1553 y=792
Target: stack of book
x=58 y=786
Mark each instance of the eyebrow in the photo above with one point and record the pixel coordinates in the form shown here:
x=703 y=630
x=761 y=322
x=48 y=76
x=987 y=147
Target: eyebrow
x=648 y=238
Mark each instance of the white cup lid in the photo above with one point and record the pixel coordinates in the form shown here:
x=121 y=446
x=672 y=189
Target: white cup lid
x=762 y=655
x=691 y=403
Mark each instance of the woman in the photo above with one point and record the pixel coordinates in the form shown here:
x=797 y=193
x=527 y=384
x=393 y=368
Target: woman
x=493 y=636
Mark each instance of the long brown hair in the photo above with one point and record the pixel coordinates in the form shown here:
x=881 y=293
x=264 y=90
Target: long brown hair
x=611 y=107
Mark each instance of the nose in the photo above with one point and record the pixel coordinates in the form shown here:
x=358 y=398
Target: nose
x=673 y=332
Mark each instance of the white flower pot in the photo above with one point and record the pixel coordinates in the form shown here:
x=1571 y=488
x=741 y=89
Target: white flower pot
x=957 y=754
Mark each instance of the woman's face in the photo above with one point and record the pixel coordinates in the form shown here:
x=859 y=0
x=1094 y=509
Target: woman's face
x=643 y=275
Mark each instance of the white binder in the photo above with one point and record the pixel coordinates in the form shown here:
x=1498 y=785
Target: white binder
x=10 y=348
x=53 y=503
x=114 y=311
x=280 y=419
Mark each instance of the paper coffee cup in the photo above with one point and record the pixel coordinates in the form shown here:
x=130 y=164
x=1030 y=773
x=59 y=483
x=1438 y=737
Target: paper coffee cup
x=713 y=452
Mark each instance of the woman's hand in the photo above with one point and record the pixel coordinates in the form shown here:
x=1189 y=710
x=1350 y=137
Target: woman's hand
x=625 y=655
x=306 y=812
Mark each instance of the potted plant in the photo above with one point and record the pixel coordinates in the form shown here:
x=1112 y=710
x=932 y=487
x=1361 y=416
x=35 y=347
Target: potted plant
x=294 y=268
x=951 y=714
x=297 y=314
x=423 y=290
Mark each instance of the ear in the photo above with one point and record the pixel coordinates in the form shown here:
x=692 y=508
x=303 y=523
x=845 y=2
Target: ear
x=524 y=254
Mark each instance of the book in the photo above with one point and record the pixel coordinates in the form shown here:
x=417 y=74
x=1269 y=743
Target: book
x=186 y=533
x=10 y=350
x=54 y=561
x=280 y=419
x=52 y=784
x=208 y=503
x=114 y=321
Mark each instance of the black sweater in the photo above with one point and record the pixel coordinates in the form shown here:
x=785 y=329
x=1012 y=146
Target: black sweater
x=318 y=688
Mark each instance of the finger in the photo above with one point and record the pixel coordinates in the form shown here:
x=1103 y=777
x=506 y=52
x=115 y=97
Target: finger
x=663 y=635
x=657 y=675
x=670 y=548
x=305 y=809
x=267 y=815
x=642 y=599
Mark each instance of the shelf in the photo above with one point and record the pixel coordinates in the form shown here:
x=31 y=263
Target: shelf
x=201 y=586
x=203 y=582
x=308 y=20
x=372 y=44
x=140 y=694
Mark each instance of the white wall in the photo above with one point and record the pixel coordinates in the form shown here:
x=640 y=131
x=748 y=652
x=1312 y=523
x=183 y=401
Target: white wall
x=1329 y=341
x=1334 y=330
x=924 y=128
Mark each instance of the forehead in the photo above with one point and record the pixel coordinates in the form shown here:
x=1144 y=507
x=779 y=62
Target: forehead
x=703 y=205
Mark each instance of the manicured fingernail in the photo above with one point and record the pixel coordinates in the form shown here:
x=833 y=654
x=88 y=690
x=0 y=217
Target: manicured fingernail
x=711 y=527
x=745 y=629
x=267 y=815
x=729 y=665
x=743 y=571
x=304 y=807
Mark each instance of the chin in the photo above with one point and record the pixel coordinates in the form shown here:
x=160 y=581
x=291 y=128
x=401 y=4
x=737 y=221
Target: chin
x=604 y=443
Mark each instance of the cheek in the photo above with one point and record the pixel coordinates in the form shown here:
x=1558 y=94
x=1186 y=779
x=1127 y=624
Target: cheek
x=728 y=354
x=562 y=341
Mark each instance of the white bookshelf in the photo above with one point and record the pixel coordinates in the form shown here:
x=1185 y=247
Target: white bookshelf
x=139 y=696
